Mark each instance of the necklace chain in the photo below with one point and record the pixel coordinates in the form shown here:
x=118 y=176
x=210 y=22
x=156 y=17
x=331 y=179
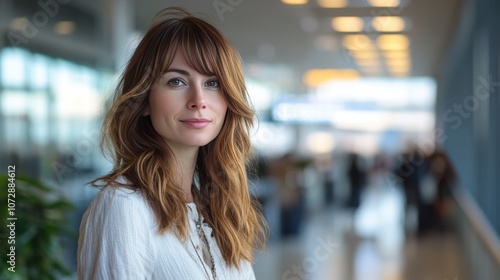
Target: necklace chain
x=203 y=237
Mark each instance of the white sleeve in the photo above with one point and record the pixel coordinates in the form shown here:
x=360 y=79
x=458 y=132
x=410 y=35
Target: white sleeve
x=115 y=238
x=249 y=274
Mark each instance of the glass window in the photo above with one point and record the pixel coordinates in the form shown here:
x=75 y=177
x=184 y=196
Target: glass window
x=14 y=103
x=15 y=132
x=31 y=117
x=39 y=113
x=61 y=78
x=38 y=76
x=13 y=65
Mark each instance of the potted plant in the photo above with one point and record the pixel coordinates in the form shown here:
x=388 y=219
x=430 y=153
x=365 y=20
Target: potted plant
x=35 y=217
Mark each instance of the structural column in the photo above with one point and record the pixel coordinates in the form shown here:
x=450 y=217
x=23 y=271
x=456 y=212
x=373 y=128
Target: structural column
x=119 y=25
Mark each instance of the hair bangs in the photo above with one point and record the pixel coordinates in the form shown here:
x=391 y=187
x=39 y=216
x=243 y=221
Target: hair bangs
x=196 y=43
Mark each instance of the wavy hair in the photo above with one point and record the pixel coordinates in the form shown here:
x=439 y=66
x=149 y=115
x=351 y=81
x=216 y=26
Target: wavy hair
x=142 y=156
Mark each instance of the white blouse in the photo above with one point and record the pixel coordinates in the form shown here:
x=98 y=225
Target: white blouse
x=119 y=240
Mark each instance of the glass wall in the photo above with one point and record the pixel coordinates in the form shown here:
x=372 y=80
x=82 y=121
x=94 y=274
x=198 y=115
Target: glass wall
x=50 y=113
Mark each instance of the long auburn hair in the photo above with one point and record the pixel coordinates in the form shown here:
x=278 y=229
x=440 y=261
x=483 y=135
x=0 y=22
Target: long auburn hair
x=142 y=156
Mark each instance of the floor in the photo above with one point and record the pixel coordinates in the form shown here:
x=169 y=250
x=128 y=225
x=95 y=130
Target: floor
x=369 y=244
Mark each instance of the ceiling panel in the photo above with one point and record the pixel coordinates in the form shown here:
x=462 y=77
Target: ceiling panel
x=273 y=33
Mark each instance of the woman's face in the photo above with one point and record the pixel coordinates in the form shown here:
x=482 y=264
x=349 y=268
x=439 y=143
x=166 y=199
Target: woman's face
x=187 y=108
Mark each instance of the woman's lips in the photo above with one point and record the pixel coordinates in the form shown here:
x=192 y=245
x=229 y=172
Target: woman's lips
x=196 y=123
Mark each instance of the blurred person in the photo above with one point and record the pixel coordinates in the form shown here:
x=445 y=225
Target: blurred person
x=444 y=177
x=380 y=165
x=324 y=165
x=176 y=204
x=286 y=173
x=357 y=180
x=412 y=170
x=378 y=170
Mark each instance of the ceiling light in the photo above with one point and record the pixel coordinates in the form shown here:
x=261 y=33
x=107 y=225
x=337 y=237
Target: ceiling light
x=398 y=62
x=64 y=27
x=384 y=3
x=332 y=3
x=365 y=54
x=18 y=24
x=388 y=24
x=348 y=24
x=392 y=42
x=295 y=2
x=396 y=54
x=358 y=42
x=316 y=77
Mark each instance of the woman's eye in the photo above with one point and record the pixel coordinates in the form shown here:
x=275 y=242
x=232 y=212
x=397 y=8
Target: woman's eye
x=213 y=83
x=175 y=83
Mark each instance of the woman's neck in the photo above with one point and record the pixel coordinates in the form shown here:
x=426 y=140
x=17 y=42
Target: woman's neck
x=185 y=165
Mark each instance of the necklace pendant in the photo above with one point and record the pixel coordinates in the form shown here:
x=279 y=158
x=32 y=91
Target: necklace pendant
x=205 y=242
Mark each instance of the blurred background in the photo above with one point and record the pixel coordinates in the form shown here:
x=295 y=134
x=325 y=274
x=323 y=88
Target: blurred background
x=376 y=151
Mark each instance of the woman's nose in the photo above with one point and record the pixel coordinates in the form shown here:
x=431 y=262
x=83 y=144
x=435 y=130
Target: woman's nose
x=197 y=99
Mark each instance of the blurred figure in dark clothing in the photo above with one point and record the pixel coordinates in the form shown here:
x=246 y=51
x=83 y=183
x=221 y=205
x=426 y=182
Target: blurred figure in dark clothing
x=410 y=170
x=357 y=180
x=426 y=181
x=444 y=176
x=286 y=172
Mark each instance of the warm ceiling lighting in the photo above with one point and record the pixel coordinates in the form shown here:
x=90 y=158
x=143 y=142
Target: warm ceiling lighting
x=384 y=3
x=316 y=77
x=394 y=42
x=388 y=24
x=348 y=24
x=332 y=3
x=295 y=2
x=397 y=62
x=396 y=54
x=64 y=27
x=18 y=24
x=364 y=54
x=358 y=42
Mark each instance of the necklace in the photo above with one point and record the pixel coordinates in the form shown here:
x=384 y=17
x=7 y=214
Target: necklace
x=203 y=237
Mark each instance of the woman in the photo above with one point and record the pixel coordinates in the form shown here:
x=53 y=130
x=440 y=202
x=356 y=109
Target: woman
x=176 y=204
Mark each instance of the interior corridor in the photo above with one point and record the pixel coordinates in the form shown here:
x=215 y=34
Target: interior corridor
x=367 y=245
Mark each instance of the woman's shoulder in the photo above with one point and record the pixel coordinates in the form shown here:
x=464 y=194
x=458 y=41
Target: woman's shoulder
x=117 y=200
x=120 y=192
x=117 y=192
x=118 y=209
x=121 y=188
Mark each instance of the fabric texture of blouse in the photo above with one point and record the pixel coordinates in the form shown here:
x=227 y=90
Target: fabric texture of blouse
x=119 y=239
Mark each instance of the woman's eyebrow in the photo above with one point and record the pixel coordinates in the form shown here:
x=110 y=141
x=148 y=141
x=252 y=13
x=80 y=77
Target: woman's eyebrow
x=186 y=73
x=180 y=71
